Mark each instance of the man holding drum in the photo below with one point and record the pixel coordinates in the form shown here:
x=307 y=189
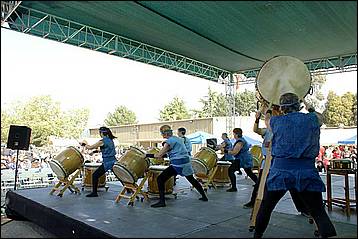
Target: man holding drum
x=267 y=137
x=108 y=151
x=243 y=158
x=179 y=164
x=295 y=145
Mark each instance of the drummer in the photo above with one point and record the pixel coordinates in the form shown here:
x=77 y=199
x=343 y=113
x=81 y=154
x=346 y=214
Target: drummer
x=295 y=145
x=179 y=164
x=243 y=158
x=181 y=133
x=226 y=144
x=108 y=151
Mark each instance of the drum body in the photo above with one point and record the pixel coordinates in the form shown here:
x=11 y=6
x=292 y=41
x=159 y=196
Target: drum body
x=88 y=170
x=204 y=160
x=154 y=161
x=65 y=163
x=257 y=156
x=222 y=173
x=280 y=75
x=154 y=172
x=131 y=166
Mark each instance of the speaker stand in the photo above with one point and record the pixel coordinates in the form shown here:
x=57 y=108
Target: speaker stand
x=17 y=163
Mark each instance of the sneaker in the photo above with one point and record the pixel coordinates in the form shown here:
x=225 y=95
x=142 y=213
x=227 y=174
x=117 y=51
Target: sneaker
x=248 y=205
x=92 y=195
x=232 y=190
x=158 y=204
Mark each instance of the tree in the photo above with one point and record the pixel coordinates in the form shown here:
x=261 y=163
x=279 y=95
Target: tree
x=75 y=121
x=317 y=96
x=214 y=105
x=245 y=103
x=354 y=110
x=45 y=118
x=340 y=110
x=121 y=116
x=175 y=110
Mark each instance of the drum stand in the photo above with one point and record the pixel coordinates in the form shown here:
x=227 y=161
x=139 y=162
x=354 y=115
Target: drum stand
x=209 y=182
x=67 y=184
x=134 y=188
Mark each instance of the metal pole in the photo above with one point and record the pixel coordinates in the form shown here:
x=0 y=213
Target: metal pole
x=17 y=163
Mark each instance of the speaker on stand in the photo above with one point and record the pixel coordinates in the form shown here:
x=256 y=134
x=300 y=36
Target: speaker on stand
x=18 y=139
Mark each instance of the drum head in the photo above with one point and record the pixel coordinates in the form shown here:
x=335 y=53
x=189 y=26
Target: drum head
x=198 y=166
x=92 y=165
x=57 y=169
x=158 y=167
x=223 y=163
x=283 y=74
x=123 y=174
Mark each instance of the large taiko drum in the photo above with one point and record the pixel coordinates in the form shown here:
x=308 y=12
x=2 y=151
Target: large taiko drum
x=131 y=166
x=88 y=170
x=204 y=160
x=154 y=161
x=67 y=162
x=280 y=75
x=222 y=172
x=257 y=156
x=154 y=172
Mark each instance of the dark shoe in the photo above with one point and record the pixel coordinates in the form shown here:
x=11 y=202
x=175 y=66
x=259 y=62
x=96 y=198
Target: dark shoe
x=92 y=195
x=232 y=190
x=305 y=214
x=158 y=204
x=248 y=205
x=205 y=199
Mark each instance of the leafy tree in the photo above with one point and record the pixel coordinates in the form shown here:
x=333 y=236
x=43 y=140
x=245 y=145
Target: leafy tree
x=75 y=121
x=45 y=118
x=175 y=110
x=245 y=103
x=214 y=105
x=317 y=97
x=340 y=110
x=121 y=116
x=354 y=110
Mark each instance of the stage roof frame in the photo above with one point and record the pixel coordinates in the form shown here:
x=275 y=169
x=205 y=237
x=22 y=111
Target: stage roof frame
x=207 y=39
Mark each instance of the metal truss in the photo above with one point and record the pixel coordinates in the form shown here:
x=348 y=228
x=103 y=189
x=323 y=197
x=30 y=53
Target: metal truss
x=34 y=22
x=7 y=7
x=230 y=87
x=324 y=66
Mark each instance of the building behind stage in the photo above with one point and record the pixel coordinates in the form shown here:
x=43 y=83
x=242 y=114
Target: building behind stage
x=147 y=135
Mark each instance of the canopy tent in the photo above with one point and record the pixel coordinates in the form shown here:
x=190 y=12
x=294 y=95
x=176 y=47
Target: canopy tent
x=207 y=39
x=200 y=137
x=249 y=140
x=351 y=140
x=333 y=136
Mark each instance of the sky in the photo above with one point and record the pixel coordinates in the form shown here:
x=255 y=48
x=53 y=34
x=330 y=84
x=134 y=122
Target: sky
x=77 y=77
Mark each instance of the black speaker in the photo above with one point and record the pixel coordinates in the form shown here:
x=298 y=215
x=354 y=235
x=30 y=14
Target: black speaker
x=19 y=137
x=211 y=143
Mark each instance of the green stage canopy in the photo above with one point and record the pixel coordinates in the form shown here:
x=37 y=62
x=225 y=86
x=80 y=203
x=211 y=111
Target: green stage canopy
x=203 y=38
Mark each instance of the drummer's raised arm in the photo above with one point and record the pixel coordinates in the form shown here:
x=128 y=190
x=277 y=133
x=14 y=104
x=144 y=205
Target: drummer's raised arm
x=94 y=146
x=163 y=151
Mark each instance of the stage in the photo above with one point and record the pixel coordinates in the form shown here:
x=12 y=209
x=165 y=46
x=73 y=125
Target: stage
x=75 y=215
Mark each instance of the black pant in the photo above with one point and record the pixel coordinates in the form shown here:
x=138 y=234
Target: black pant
x=313 y=202
x=169 y=172
x=235 y=166
x=95 y=177
x=294 y=195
